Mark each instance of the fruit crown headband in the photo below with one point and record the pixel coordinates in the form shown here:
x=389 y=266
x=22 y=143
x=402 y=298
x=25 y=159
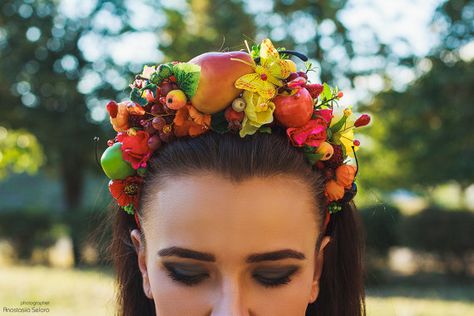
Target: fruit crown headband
x=235 y=92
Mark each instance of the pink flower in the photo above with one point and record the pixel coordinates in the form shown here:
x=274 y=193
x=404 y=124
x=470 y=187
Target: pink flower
x=325 y=114
x=135 y=148
x=312 y=133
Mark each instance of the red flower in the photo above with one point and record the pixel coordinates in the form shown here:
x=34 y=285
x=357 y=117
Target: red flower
x=135 y=148
x=127 y=191
x=312 y=133
x=363 y=120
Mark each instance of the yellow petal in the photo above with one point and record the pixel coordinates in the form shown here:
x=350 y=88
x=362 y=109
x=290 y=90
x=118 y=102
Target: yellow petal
x=268 y=51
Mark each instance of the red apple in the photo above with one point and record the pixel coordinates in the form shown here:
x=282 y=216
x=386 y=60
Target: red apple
x=216 y=88
x=293 y=110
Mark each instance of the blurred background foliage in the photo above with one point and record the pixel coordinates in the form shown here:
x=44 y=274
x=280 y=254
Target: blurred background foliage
x=61 y=61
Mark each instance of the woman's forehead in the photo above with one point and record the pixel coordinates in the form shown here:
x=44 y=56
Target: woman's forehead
x=210 y=210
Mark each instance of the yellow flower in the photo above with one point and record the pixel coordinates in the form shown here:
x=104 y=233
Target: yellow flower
x=345 y=135
x=258 y=111
x=268 y=74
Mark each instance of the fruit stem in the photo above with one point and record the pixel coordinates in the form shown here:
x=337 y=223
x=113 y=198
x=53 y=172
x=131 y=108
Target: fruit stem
x=327 y=101
x=301 y=56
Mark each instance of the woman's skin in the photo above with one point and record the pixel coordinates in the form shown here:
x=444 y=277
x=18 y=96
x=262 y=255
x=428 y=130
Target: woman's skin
x=234 y=224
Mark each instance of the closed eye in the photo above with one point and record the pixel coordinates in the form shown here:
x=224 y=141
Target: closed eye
x=274 y=278
x=187 y=276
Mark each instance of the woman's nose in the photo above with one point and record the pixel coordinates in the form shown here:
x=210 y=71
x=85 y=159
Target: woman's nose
x=231 y=300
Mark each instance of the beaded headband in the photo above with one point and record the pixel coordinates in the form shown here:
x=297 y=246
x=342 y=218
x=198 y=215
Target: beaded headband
x=236 y=92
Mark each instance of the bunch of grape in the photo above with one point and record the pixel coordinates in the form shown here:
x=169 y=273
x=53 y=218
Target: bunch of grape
x=159 y=118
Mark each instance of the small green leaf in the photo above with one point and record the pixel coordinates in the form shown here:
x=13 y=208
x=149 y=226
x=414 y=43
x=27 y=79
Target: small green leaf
x=187 y=77
x=328 y=133
x=136 y=96
x=313 y=157
x=255 y=52
x=265 y=129
x=163 y=72
x=327 y=93
x=149 y=86
x=129 y=209
x=337 y=127
x=141 y=172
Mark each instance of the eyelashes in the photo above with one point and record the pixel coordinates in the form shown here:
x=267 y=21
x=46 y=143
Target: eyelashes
x=279 y=279
x=276 y=281
x=186 y=279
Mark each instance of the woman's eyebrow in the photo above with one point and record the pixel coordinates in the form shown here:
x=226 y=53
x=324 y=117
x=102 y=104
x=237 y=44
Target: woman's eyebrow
x=253 y=258
x=275 y=255
x=186 y=253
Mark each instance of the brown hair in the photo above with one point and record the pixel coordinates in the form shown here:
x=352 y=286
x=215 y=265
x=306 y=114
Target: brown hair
x=341 y=284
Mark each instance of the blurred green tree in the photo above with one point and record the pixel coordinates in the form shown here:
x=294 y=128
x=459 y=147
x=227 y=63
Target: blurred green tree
x=19 y=152
x=312 y=27
x=426 y=131
x=205 y=25
x=40 y=69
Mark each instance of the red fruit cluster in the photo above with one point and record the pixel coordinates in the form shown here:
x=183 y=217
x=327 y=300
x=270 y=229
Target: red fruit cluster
x=337 y=158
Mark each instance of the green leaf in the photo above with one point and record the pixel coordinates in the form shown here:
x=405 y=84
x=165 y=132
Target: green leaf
x=218 y=123
x=149 y=86
x=187 y=77
x=327 y=93
x=328 y=133
x=313 y=157
x=164 y=71
x=265 y=129
x=129 y=209
x=136 y=96
x=337 y=127
x=141 y=171
x=255 y=52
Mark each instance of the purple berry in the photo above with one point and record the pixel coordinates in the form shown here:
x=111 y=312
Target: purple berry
x=158 y=123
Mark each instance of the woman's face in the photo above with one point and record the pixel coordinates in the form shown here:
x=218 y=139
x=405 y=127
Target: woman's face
x=214 y=247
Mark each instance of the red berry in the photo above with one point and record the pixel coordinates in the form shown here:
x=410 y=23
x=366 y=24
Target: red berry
x=356 y=142
x=340 y=94
x=292 y=76
x=363 y=120
x=302 y=74
x=154 y=142
x=112 y=108
x=263 y=77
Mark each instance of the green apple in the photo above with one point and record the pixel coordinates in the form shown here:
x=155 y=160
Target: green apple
x=113 y=164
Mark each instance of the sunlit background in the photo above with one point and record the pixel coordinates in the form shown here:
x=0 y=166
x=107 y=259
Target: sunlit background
x=409 y=63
